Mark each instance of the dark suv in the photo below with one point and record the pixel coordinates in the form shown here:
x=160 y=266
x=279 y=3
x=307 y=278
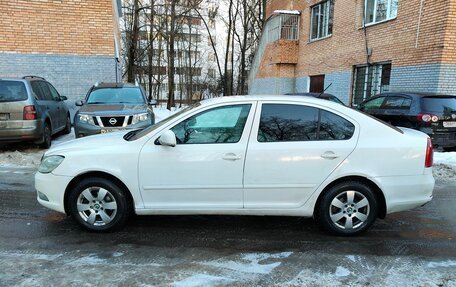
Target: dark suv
x=110 y=107
x=31 y=109
x=432 y=114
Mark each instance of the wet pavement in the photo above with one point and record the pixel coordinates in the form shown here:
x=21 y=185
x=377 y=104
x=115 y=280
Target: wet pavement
x=39 y=247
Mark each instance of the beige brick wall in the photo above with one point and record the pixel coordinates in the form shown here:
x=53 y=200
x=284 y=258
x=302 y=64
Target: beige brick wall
x=449 y=51
x=69 y=27
x=394 y=40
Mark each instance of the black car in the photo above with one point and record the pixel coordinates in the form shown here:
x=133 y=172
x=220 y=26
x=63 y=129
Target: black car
x=323 y=96
x=430 y=113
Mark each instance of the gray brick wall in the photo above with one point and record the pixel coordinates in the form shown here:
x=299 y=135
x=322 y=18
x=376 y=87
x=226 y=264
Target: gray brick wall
x=272 y=86
x=340 y=85
x=422 y=78
x=72 y=76
x=302 y=85
x=447 y=80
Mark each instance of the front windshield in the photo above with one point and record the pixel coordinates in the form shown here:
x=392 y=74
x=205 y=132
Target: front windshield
x=123 y=95
x=147 y=130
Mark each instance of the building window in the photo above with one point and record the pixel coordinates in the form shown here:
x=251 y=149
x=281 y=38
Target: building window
x=370 y=80
x=380 y=10
x=322 y=20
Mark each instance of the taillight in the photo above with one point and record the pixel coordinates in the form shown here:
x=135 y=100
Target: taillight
x=427 y=118
x=29 y=113
x=429 y=154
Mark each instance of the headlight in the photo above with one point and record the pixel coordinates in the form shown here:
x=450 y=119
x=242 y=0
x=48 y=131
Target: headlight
x=139 y=118
x=86 y=119
x=49 y=163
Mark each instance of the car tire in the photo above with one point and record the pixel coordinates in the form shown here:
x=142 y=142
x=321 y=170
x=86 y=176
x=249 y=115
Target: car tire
x=98 y=205
x=47 y=137
x=348 y=208
x=67 y=129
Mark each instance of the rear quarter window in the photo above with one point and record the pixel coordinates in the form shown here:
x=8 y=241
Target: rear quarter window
x=11 y=91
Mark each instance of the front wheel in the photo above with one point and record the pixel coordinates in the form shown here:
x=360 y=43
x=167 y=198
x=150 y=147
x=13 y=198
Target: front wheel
x=348 y=208
x=98 y=205
x=67 y=128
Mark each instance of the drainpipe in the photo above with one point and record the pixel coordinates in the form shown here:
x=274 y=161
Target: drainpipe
x=419 y=24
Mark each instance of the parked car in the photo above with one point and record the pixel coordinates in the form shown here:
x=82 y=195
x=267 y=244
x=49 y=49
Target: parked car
x=432 y=114
x=31 y=109
x=110 y=107
x=270 y=155
x=324 y=96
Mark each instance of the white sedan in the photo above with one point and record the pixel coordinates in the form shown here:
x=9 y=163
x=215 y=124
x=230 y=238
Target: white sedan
x=252 y=155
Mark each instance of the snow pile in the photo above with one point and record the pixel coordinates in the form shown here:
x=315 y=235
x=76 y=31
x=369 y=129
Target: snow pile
x=448 y=158
x=30 y=157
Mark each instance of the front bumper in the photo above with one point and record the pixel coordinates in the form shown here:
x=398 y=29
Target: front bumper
x=53 y=188
x=13 y=131
x=84 y=129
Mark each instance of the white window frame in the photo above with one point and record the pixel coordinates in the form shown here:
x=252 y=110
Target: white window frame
x=388 y=13
x=320 y=5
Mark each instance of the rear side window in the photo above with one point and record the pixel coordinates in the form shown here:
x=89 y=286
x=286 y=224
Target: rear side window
x=41 y=93
x=286 y=123
x=281 y=122
x=439 y=105
x=11 y=91
x=397 y=103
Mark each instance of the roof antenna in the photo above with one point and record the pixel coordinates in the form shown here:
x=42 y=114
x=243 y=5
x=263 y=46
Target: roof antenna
x=325 y=90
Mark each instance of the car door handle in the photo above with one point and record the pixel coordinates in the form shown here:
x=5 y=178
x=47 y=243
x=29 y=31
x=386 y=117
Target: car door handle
x=231 y=156
x=329 y=155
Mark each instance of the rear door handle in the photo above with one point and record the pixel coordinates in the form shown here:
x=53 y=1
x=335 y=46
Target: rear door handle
x=231 y=156
x=329 y=155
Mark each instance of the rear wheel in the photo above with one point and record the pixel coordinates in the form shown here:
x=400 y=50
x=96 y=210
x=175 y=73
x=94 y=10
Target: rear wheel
x=98 y=205
x=47 y=137
x=348 y=208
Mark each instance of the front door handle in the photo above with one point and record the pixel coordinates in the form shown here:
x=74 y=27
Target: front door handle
x=231 y=156
x=329 y=155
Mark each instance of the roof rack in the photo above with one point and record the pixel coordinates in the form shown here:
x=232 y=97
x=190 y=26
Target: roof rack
x=33 y=77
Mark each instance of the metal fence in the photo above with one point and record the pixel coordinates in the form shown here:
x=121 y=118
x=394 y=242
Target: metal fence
x=278 y=27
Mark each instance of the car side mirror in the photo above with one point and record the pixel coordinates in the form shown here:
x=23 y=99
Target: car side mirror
x=63 y=98
x=168 y=138
x=153 y=103
x=79 y=103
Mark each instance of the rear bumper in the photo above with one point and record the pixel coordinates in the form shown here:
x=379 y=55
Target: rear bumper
x=406 y=192
x=444 y=139
x=13 y=131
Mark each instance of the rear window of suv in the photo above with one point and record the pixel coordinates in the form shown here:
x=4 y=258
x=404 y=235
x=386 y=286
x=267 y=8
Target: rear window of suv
x=11 y=91
x=440 y=105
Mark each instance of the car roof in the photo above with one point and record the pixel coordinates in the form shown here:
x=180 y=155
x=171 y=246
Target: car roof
x=114 y=85
x=416 y=94
x=316 y=95
x=284 y=98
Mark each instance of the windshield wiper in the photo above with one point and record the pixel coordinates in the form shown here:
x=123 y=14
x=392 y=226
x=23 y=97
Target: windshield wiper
x=97 y=103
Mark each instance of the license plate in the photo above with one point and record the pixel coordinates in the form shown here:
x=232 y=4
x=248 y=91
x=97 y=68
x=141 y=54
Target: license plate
x=449 y=124
x=4 y=117
x=105 y=131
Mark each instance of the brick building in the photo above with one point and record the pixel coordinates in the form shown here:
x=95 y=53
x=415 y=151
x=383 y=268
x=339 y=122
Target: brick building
x=71 y=43
x=403 y=45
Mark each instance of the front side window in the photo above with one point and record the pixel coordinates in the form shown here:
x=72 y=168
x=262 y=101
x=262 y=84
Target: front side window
x=217 y=125
x=322 y=20
x=380 y=10
x=373 y=104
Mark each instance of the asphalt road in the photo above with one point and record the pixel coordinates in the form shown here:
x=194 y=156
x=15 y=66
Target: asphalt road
x=39 y=247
